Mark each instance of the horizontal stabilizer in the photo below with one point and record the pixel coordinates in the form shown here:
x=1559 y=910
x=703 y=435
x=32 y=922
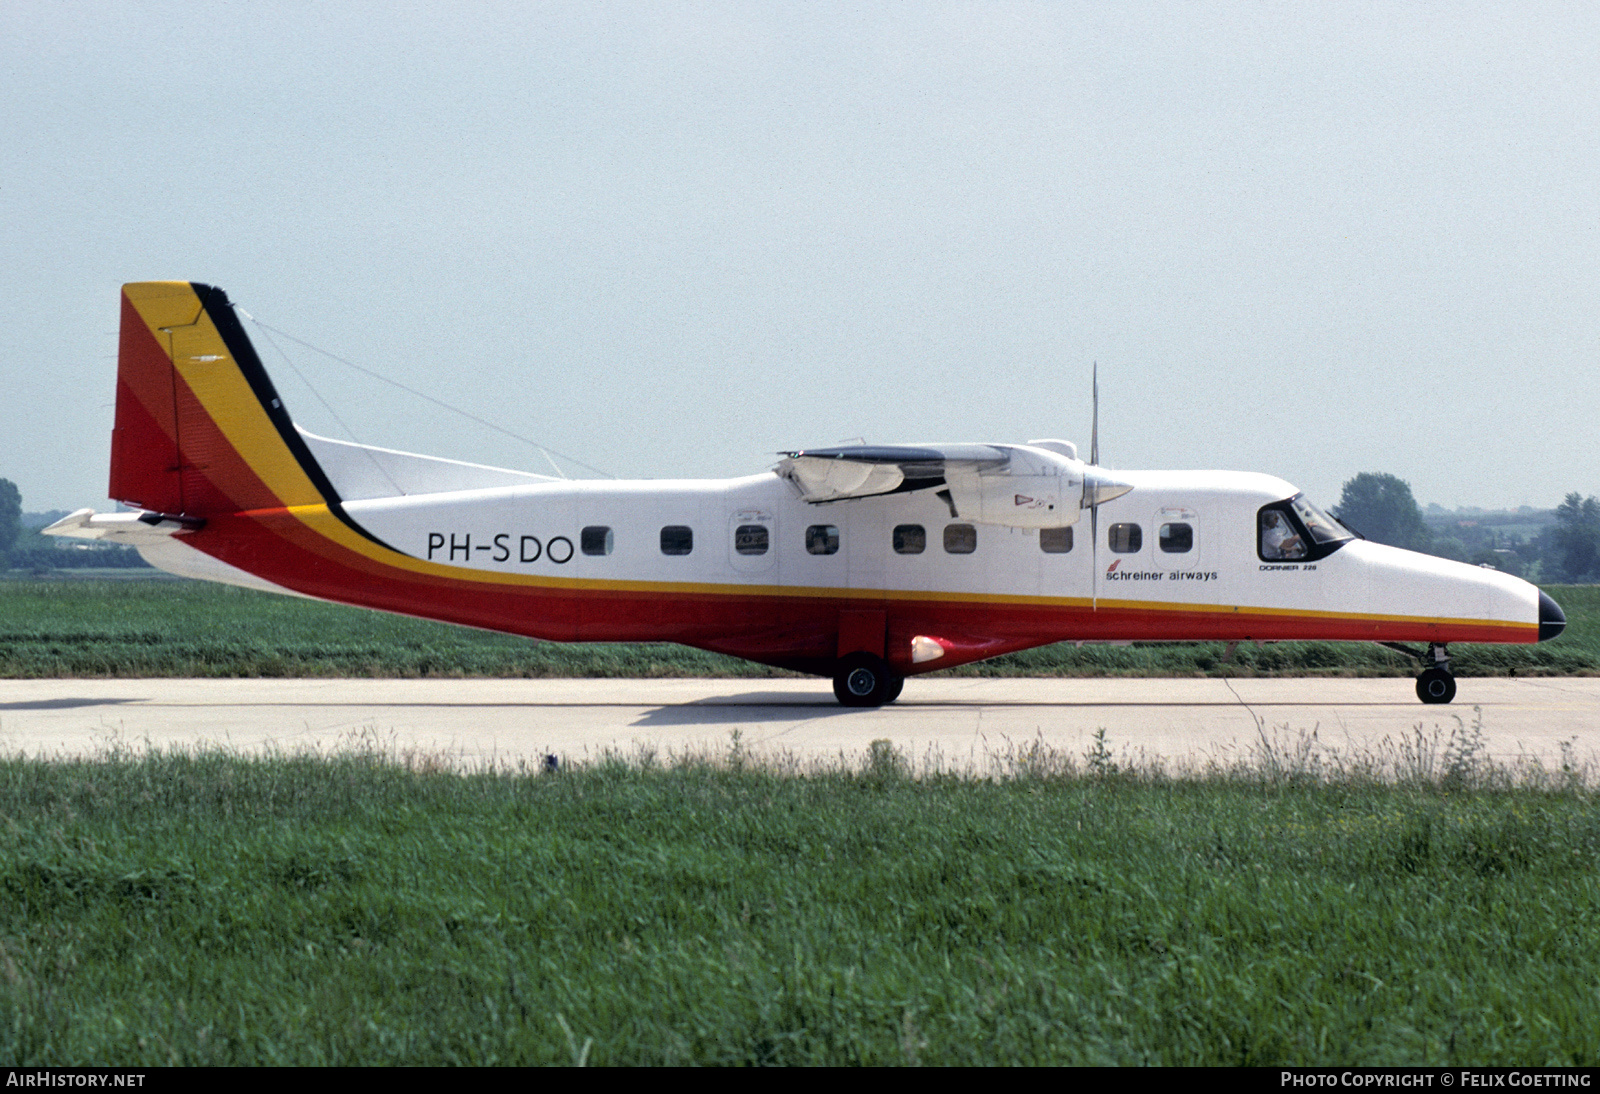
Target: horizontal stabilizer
x=133 y=529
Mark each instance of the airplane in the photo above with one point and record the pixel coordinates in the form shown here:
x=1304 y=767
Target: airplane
x=867 y=564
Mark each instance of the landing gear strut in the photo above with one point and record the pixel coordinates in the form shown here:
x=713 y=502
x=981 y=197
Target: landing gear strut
x=1436 y=684
x=863 y=680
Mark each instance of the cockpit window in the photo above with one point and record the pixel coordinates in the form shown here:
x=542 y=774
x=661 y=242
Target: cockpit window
x=1280 y=539
x=1296 y=531
x=1323 y=528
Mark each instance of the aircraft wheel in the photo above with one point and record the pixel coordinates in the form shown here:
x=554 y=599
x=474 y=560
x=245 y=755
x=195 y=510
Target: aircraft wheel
x=864 y=681
x=1436 y=686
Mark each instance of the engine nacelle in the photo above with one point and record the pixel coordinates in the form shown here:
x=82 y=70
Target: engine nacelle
x=1035 y=489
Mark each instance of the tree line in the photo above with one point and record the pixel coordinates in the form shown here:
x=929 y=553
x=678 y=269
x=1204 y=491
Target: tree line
x=23 y=548
x=1560 y=546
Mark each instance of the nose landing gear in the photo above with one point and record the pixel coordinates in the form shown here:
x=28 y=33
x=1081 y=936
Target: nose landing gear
x=1436 y=686
x=1436 y=683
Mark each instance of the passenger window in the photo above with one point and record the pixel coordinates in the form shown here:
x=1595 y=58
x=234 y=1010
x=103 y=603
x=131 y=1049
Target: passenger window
x=1055 y=541
x=750 y=539
x=595 y=540
x=960 y=539
x=910 y=539
x=1126 y=539
x=677 y=539
x=822 y=539
x=1176 y=539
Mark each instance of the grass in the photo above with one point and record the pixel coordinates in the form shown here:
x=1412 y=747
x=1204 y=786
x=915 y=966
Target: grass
x=1417 y=907
x=184 y=628
x=62 y=628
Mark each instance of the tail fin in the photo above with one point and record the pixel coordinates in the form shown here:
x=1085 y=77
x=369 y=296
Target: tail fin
x=199 y=428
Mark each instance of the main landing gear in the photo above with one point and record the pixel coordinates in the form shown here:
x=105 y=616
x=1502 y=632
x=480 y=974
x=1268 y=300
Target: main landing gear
x=863 y=680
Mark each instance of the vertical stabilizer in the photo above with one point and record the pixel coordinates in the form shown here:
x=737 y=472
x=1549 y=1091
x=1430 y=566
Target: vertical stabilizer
x=199 y=428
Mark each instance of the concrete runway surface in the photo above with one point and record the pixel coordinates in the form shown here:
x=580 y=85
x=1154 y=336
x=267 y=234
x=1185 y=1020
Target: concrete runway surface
x=960 y=723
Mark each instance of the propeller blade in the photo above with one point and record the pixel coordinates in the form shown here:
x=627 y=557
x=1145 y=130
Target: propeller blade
x=1094 y=428
x=1091 y=496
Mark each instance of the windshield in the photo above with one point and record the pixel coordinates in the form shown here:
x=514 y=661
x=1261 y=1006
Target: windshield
x=1294 y=530
x=1323 y=528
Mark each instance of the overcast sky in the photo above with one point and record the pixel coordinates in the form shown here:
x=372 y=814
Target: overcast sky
x=673 y=240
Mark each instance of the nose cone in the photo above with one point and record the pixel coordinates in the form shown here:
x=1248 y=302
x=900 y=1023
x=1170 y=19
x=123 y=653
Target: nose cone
x=1552 y=621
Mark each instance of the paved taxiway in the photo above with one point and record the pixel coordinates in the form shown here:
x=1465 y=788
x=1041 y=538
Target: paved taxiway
x=961 y=722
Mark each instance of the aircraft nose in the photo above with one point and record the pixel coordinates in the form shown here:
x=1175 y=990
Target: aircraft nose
x=1552 y=620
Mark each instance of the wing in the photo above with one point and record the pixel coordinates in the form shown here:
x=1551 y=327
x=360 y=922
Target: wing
x=864 y=471
x=1021 y=486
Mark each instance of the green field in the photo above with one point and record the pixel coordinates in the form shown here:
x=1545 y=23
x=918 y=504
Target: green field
x=75 y=627
x=362 y=910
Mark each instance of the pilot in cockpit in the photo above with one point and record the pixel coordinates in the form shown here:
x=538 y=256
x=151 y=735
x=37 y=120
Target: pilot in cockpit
x=1278 y=539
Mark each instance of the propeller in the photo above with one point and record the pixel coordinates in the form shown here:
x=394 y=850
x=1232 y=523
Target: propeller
x=1089 y=496
x=1094 y=426
x=1098 y=488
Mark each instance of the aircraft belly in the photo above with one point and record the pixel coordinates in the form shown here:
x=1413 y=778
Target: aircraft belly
x=177 y=557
